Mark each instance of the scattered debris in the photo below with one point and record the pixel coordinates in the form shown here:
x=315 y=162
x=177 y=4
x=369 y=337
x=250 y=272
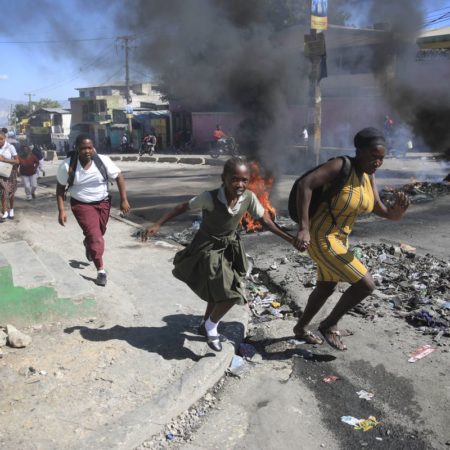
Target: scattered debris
x=417 y=191
x=295 y=342
x=360 y=424
x=367 y=424
x=247 y=350
x=350 y=420
x=408 y=249
x=330 y=379
x=365 y=395
x=261 y=301
x=16 y=338
x=170 y=436
x=415 y=287
x=421 y=352
x=238 y=366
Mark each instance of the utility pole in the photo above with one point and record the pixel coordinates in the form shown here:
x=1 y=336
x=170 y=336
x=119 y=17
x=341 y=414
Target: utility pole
x=125 y=44
x=29 y=95
x=315 y=96
x=315 y=49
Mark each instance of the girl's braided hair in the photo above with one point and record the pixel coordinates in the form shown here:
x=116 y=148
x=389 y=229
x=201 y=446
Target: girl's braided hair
x=232 y=163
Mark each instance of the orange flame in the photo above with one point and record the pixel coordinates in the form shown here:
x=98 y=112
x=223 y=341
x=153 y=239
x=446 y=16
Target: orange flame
x=261 y=186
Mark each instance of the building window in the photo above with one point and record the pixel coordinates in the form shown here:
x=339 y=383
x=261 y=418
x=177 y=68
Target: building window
x=104 y=91
x=92 y=93
x=82 y=93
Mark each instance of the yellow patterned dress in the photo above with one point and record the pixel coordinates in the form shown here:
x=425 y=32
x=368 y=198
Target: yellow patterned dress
x=329 y=241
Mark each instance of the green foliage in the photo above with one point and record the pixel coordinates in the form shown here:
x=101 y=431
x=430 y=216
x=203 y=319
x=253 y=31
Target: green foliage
x=23 y=110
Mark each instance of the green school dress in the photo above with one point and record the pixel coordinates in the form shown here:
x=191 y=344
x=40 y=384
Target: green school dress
x=214 y=264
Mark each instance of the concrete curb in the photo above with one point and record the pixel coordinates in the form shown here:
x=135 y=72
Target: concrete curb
x=198 y=160
x=134 y=427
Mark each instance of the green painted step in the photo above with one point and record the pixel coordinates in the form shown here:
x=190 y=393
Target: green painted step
x=22 y=306
x=27 y=270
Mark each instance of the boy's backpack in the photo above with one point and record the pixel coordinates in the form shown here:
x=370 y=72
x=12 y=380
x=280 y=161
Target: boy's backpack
x=73 y=167
x=319 y=195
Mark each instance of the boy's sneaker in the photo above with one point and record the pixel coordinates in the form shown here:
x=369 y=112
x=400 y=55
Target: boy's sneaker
x=101 y=279
x=5 y=215
x=11 y=214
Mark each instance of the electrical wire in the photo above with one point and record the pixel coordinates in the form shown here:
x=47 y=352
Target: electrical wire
x=104 y=53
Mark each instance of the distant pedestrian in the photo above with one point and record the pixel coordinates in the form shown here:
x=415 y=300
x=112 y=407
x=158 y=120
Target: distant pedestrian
x=86 y=175
x=40 y=156
x=214 y=264
x=28 y=170
x=305 y=135
x=8 y=184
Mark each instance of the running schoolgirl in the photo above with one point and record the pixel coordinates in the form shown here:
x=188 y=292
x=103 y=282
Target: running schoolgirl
x=214 y=264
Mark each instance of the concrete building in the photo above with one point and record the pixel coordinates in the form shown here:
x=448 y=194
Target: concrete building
x=92 y=111
x=48 y=126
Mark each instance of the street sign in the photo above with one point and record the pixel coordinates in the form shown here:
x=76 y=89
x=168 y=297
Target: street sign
x=319 y=13
x=129 y=116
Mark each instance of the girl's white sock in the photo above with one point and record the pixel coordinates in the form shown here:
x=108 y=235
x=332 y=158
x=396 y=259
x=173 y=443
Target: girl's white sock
x=5 y=215
x=11 y=213
x=211 y=327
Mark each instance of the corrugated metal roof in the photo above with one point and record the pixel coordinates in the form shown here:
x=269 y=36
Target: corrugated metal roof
x=54 y=110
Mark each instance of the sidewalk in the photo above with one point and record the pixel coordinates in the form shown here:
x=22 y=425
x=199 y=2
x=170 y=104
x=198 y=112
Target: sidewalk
x=110 y=375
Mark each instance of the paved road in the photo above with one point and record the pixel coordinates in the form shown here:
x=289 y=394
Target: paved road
x=283 y=403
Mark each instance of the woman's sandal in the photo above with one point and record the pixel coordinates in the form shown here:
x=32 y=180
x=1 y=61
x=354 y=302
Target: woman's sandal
x=309 y=337
x=329 y=335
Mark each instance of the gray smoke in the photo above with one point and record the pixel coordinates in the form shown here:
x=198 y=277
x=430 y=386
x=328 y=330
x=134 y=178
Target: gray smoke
x=220 y=55
x=417 y=91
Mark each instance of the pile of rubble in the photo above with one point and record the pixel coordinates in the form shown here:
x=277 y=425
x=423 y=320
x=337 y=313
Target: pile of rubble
x=415 y=287
x=419 y=191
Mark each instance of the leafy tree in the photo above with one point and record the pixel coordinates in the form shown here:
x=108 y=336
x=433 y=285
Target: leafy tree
x=23 y=110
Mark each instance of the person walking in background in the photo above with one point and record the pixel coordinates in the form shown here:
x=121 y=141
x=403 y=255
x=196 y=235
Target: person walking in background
x=8 y=184
x=214 y=264
x=86 y=175
x=325 y=234
x=29 y=171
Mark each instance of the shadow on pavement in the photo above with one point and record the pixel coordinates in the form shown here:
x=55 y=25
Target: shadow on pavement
x=167 y=341
x=78 y=264
x=282 y=349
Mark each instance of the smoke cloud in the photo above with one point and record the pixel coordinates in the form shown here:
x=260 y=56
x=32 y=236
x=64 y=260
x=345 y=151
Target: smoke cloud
x=417 y=91
x=220 y=55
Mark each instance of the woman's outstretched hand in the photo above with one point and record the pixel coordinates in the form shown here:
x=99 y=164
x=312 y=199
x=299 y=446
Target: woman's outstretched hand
x=149 y=232
x=302 y=240
x=401 y=204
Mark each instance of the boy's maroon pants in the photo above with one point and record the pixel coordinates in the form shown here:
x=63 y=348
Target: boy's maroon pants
x=93 y=218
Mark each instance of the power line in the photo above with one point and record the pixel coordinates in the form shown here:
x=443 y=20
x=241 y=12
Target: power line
x=100 y=57
x=60 y=41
